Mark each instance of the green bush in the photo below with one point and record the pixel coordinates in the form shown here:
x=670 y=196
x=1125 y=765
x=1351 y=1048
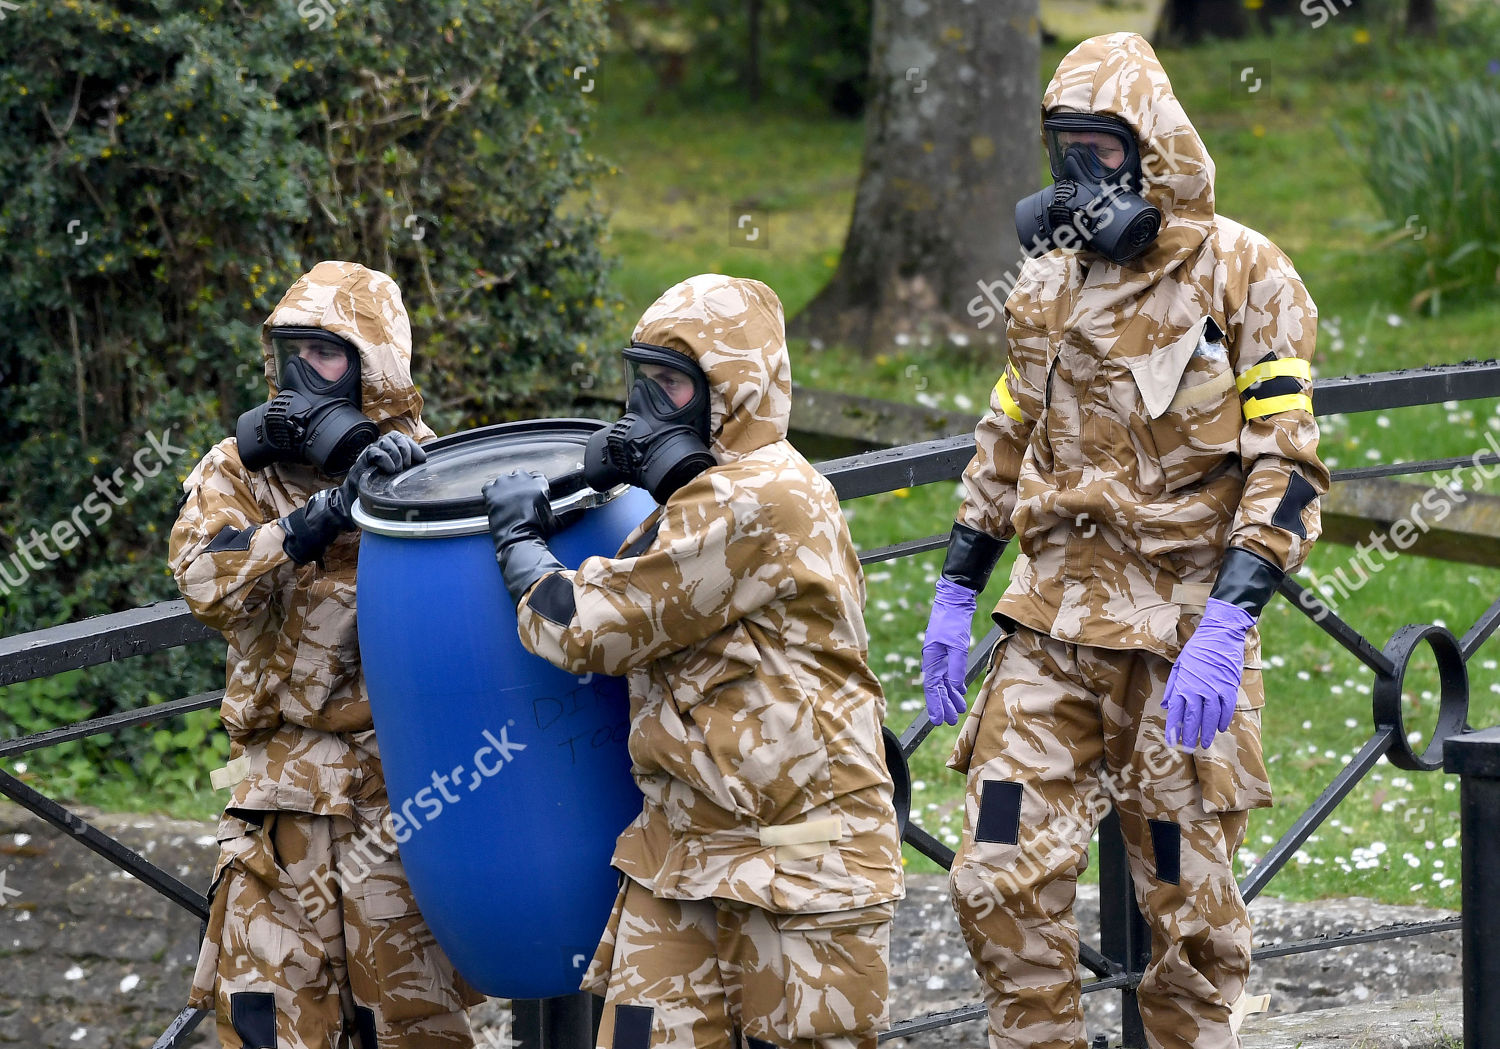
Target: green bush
x=1434 y=167
x=168 y=168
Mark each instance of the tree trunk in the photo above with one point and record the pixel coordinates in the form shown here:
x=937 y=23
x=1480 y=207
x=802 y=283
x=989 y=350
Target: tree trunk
x=1422 y=17
x=1189 y=21
x=952 y=141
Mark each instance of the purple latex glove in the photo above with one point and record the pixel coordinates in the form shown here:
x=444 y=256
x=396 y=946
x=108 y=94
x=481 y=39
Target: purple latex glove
x=946 y=650
x=1205 y=681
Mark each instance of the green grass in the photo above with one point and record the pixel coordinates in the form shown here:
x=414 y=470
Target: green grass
x=1283 y=169
x=684 y=179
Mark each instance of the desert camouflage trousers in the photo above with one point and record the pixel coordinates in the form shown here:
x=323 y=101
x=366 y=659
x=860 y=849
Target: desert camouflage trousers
x=1058 y=735
x=719 y=974
x=313 y=945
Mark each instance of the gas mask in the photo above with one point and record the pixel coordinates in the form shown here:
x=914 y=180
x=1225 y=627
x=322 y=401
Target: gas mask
x=662 y=441
x=1094 y=201
x=312 y=419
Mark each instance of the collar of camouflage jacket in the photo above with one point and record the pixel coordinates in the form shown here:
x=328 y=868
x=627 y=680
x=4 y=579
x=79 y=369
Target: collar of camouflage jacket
x=734 y=328
x=365 y=307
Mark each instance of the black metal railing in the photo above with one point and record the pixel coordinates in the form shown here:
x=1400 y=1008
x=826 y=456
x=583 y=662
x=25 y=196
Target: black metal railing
x=1124 y=949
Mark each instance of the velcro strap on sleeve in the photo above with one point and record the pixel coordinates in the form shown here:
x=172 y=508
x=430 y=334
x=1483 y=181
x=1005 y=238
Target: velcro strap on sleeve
x=230 y=774
x=1191 y=595
x=800 y=841
x=1292 y=366
x=1244 y=1005
x=1256 y=407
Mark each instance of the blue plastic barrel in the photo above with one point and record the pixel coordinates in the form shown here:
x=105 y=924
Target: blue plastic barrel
x=509 y=779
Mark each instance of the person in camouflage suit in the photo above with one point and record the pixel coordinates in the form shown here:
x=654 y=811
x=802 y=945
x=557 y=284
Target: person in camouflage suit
x=760 y=879
x=313 y=939
x=1151 y=443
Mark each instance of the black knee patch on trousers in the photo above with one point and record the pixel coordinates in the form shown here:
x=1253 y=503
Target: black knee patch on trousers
x=632 y=1027
x=364 y=1026
x=999 y=812
x=252 y=1014
x=757 y=1043
x=1166 y=844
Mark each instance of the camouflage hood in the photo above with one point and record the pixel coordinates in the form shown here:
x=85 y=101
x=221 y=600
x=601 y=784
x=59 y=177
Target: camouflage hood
x=734 y=328
x=1119 y=75
x=363 y=306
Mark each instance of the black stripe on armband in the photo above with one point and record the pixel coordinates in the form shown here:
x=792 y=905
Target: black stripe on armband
x=1277 y=387
x=553 y=599
x=231 y=539
x=1288 y=515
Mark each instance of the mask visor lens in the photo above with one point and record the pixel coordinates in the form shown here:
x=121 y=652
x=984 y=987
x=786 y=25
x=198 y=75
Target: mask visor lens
x=329 y=357
x=680 y=388
x=1104 y=153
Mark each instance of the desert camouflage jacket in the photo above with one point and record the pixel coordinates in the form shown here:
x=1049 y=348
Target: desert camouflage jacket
x=736 y=610
x=295 y=704
x=1153 y=414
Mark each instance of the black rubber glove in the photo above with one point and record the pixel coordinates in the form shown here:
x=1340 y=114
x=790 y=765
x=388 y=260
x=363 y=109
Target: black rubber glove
x=521 y=522
x=327 y=515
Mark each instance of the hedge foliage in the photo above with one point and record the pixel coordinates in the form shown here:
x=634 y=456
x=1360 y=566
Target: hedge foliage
x=168 y=168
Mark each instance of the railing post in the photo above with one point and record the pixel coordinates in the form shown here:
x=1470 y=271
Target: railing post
x=1124 y=936
x=1475 y=756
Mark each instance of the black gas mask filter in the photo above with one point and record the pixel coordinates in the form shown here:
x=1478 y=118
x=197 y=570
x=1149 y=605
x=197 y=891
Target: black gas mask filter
x=1095 y=201
x=659 y=444
x=311 y=419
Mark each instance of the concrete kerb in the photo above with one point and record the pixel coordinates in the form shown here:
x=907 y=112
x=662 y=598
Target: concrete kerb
x=1432 y=1022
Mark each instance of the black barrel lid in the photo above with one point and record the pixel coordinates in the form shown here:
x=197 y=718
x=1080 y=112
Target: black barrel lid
x=446 y=487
